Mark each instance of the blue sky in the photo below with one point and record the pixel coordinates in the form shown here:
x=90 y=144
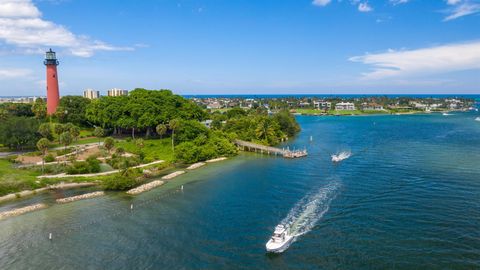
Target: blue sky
x=251 y=47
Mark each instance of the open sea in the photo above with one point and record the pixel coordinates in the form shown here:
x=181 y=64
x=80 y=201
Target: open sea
x=408 y=197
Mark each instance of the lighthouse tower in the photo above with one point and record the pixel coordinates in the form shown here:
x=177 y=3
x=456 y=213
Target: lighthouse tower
x=53 y=94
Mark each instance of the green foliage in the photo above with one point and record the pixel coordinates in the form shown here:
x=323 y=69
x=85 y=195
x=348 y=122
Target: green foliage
x=19 y=132
x=142 y=110
x=259 y=127
x=287 y=123
x=120 y=162
x=72 y=110
x=124 y=181
x=14 y=179
x=109 y=143
x=45 y=130
x=161 y=130
x=91 y=165
x=235 y=113
x=65 y=138
x=204 y=148
x=49 y=158
x=42 y=145
x=16 y=109
x=39 y=108
x=188 y=130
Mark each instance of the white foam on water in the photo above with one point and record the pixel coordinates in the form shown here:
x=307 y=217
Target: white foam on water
x=310 y=209
x=341 y=156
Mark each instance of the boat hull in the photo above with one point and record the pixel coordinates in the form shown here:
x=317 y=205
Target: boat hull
x=275 y=247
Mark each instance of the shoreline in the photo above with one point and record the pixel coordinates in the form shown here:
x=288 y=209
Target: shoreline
x=382 y=113
x=27 y=193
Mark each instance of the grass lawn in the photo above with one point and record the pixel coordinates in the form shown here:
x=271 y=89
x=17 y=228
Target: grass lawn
x=309 y=111
x=15 y=180
x=154 y=149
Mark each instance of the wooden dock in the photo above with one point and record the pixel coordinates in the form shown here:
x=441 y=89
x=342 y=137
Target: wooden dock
x=263 y=149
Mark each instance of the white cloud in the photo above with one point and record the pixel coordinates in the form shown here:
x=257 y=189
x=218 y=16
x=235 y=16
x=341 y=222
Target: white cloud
x=14 y=73
x=461 y=8
x=18 y=8
x=21 y=25
x=364 y=7
x=321 y=3
x=439 y=59
x=398 y=2
x=453 y=2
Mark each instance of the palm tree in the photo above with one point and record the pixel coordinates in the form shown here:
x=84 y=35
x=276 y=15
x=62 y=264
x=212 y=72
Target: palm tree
x=173 y=124
x=264 y=130
x=161 y=130
x=43 y=145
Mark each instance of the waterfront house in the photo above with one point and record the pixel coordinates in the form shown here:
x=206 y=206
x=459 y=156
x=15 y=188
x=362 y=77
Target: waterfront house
x=372 y=107
x=345 y=106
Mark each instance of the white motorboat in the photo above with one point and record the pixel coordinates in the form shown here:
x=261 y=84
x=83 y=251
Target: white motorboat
x=341 y=156
x=280 y=240
x=477 y=119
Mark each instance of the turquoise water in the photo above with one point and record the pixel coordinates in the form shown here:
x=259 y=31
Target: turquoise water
x=407 y=198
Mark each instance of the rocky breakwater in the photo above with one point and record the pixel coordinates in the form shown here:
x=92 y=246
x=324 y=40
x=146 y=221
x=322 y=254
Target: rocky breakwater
x=23 y=210
x=145 y=187
x=81 y=197
x=173 y=175
x=216 y=159
x=196 y=165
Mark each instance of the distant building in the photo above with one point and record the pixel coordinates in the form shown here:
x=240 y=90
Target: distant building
x=115 y=92
x=372 y=107
x=91 y=94
x=214 y=105
x=322 y=105
x=345 y=106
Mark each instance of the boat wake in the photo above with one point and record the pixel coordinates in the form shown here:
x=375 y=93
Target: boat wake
x=310 y=209
x=341 y=156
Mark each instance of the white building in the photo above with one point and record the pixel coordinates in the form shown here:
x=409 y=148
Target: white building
x=345 y=106
x=322 y=105
x=91 y=94
x=116 y=92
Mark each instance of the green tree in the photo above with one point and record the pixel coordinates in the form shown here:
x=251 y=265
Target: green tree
x=174 y=124
x=72 y=109
x=109 y=143
x=65 y=139
x=161 y=130
x=58 y=129
x=42 y=146
x=99 y=133
x=45 y=130
x=19 y=132
x=39 y=108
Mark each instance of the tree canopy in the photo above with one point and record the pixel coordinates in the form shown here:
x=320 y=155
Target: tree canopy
x=142 y=110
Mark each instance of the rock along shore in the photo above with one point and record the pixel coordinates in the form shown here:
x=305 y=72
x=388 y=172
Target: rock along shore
x=145 y=187
x=22 y=210
x=216 y=159
x=196 y=165
x=81 y=197
x=173 y=175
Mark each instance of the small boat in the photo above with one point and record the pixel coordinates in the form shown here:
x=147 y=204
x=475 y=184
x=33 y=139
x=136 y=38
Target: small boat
x=445 y=114
x=341 y=156
x=280 y=239
x=477 y=119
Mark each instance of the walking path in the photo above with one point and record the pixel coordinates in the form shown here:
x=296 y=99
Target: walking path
x=64 y=175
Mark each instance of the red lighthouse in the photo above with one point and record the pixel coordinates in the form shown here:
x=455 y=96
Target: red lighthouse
x=53 y=94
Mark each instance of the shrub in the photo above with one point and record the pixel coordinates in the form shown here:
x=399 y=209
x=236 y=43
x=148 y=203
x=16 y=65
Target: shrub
x=49 y=158
x=91 y=165
x=123 y=181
